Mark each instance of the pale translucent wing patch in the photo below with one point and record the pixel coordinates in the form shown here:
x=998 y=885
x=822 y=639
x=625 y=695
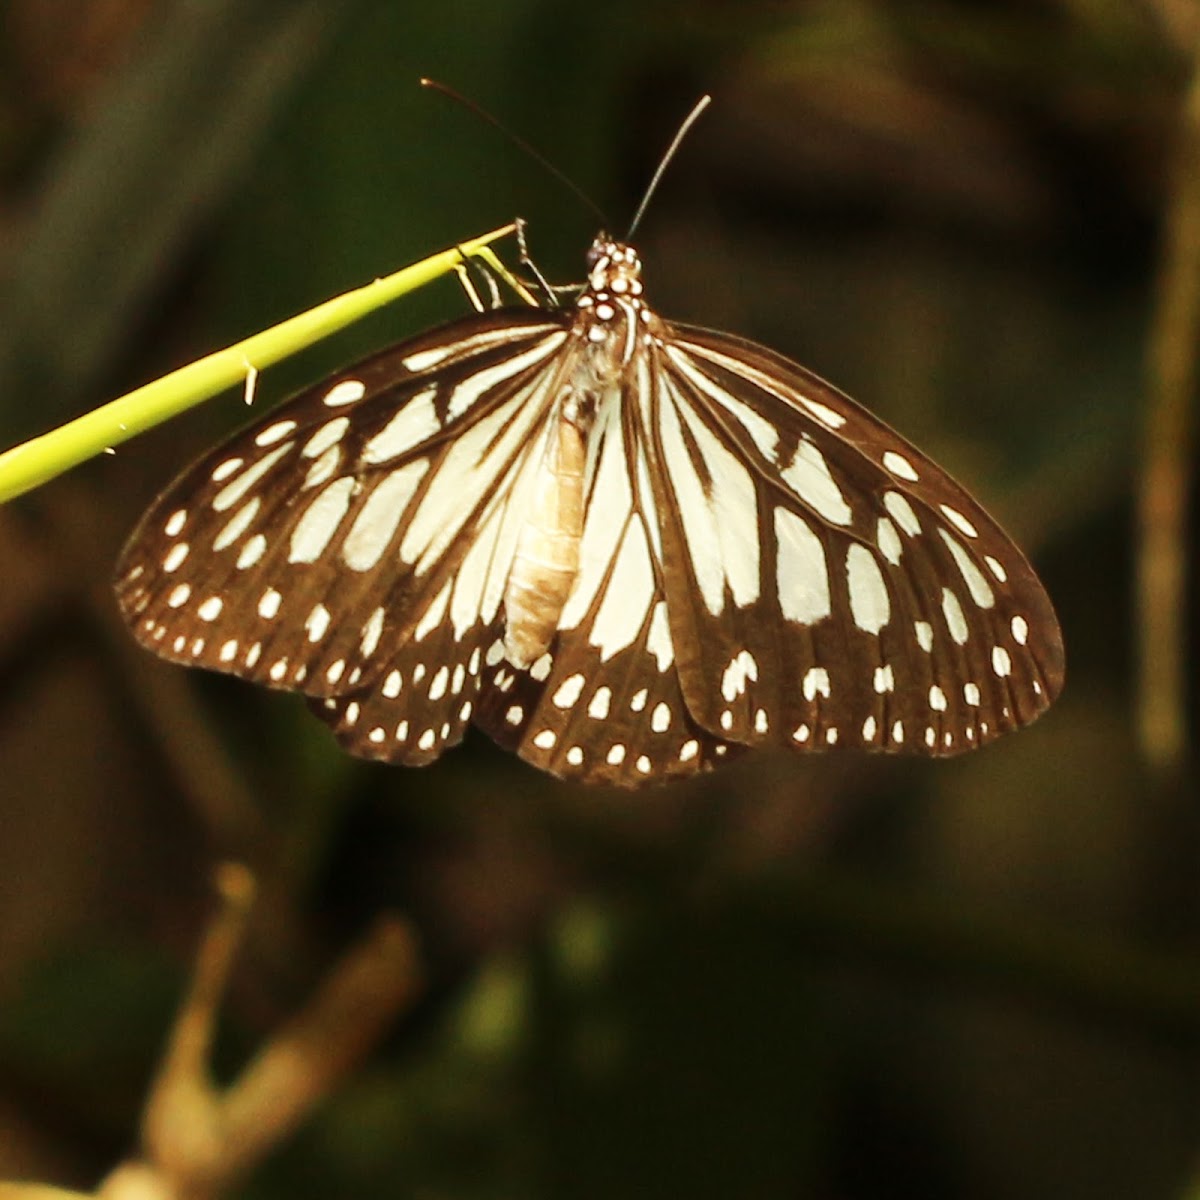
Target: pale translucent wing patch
x=306 y=549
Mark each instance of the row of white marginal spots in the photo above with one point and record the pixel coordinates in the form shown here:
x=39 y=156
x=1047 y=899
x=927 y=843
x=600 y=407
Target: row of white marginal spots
x=377 y=521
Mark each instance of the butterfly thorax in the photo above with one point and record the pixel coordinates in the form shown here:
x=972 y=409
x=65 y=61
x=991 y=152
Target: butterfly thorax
x=608 y=316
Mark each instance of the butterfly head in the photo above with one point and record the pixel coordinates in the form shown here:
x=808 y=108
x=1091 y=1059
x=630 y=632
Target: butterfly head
x=613 y=269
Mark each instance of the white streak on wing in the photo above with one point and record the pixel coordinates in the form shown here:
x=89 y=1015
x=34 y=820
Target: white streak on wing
x=977 y=585
x=627 y=599
x=658 y=640
x=607 y=514
x=231 y=493
x=348 y=391
x=888 y=541
x=869 y=603
x=328 y=435
x=475 y=385
x=809 y=477
x=469 y=472
x=416 y=421
x=470 y=580
x=423 y=360
x=901 y=512
x=433 y=614
x=775 y=387
x=325 y=467
x=699 y=530
x=380 y=516
x=734 y=503
x=315 y=529
x=956 y=622
x=764 y=435
x=238 y=525
x=802 y=575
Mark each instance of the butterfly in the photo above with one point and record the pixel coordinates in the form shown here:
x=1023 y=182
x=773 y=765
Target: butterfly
x=627 y=549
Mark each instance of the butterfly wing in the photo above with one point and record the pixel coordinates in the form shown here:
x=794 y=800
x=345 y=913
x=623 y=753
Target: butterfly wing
x=832 y=584
x=357 y=538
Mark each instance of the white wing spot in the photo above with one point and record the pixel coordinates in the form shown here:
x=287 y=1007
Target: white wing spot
x=352 y=713
x=175 y=557
x=268 y=604
x=870 y=605
x=888 y=541
x=760 y=721
x=900 y=466
x=727 y=720
x=868 y=729
x=274 y=433
x=495 y=652
x=545 y=740
x=324 y=468
x=541 y=669
x=660 y=718
x=801 y=735
x=315 y=529
x=197 y=647
x=971 y=694
x=377 y=735
x=930 y=737
x=426 y=740
x=371 y=633
x=937 y=699
x=514 y=715
x=902 y=513
x=464 y=713
x=809 y=476
x=1001 y=662
x=210 y=610
x=638 y=700
x=253 y=654
x=317 y=622
x=977 y=585
x=252 y=552
x=959 y=521
x=334 y=673
x=176 y=522
x=228 y=651
x=222 y=471
x=816 y=681
x=278 y=669
x=458 y=679
x=178 y=644
x=689 y=750
x=439 y=682
x=924 y=633
x=1020 y=630
x=392 y=684
x=568 y=691
x=598 y=705
x=643 y=764
x=345 y=392
x=616 y=755
x=179 y=596
x=898 y=732
x=831 y=735
x=575 y=756
x=802 y=579
x=996 y=569
x=885 y=679
x=742 y=667
x=418 y=673
x=956 y=622
x=328 y=435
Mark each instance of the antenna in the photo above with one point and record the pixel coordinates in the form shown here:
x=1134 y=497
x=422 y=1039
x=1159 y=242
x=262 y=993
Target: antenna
x=689 y=121
x=521 y=144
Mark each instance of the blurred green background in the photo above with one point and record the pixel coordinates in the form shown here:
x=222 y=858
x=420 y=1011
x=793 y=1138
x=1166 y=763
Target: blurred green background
x=833 y=976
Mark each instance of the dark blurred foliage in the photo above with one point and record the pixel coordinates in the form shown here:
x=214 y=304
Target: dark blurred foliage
x=828 y=977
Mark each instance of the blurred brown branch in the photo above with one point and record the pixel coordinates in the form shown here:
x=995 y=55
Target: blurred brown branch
x=1165 y=481
x=198 y=1139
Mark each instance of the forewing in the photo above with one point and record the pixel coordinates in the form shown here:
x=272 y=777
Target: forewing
x=313 y=549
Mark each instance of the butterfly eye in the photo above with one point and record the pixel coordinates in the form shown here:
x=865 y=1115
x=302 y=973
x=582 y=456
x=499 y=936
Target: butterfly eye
x=622 y=577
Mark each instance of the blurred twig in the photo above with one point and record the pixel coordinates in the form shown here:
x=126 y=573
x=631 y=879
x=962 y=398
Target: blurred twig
x=199 y=1140
x=1162 y=507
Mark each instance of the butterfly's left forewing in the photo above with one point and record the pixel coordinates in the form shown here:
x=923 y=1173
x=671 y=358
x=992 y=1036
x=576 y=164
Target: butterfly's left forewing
x=358 y=531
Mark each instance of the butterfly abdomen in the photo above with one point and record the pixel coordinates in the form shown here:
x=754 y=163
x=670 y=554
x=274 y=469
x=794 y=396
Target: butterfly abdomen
x=547 y=558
